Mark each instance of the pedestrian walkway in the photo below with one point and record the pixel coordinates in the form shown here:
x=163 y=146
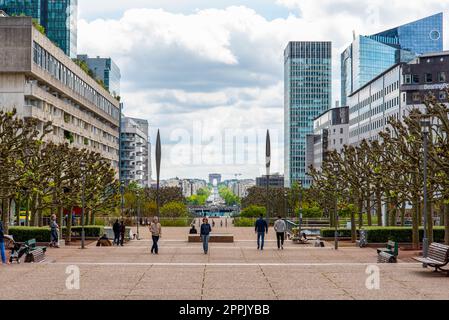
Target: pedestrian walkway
x=230 y=271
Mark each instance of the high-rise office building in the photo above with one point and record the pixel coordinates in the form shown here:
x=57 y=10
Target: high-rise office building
x=330 y=132
x=307 y=94
x=106 y=70
x=59 y=18
x=369 y=56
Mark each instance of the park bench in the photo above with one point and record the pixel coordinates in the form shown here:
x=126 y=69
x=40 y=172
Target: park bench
x=438 y=257
x=33 y=252
x=385 y=257
x=391 y=247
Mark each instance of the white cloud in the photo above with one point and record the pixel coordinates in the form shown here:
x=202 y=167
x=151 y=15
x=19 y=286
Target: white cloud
x=225 y=66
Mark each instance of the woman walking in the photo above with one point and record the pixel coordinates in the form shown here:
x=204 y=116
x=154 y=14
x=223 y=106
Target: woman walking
x=54 y=232
x=205 y=231
x=156 y=233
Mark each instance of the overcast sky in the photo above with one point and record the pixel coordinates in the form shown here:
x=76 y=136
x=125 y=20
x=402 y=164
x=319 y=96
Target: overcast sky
x=205 y=71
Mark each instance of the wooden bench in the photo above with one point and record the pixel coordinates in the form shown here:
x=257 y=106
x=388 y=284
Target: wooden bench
x=34 y=253
x=437 y=257
x=385 y=257
x=214 y=237
x=391 y=247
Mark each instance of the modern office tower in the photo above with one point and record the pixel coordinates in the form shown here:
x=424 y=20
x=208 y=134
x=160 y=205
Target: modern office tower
x=307 y=94
x=134 y=157
x=41 y=82
x=330 y=132
x=275 y=180
x=59 y=18
x=369 y=56
x=106 y=70
x=394 y=93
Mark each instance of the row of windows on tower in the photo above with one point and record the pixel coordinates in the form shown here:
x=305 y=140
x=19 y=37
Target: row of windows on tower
x=441 y=77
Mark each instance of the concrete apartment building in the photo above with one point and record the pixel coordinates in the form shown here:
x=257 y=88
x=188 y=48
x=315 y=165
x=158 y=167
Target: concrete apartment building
x=135 y=163
x=42 y=82
x=330 y=132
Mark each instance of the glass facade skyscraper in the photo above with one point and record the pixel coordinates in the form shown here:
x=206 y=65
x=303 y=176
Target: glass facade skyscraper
x=307 y=94
x=369 y=56
x=58 y=17
x=106 y=70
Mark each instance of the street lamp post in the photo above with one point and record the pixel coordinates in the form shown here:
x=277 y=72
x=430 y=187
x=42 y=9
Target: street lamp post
x=425 y=128
x=300 y=209
x=122 y=194
x=267 y=165
x=158 y=170
x=83 y=235
x=336 y=214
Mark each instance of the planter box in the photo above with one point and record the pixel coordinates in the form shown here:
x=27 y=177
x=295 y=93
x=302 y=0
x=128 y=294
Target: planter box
x=214 y=237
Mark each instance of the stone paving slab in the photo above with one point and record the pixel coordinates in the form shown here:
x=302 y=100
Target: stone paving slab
x=234 y=271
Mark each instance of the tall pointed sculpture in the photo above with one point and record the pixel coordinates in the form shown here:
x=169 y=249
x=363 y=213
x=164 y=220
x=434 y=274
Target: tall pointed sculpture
x=158 y=170
x=268 y=164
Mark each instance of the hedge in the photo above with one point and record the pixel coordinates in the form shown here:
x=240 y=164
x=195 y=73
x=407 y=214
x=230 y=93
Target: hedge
x=383 y=234
x=181 y=222
x=22 y=234
x=89 y=231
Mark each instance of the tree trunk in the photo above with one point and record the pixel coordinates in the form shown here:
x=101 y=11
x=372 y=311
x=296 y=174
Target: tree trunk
x=429 y=221
x=360 y=204
x=61 y=216
x=404 y=204
x=415 y=224
x=92 y=217
x=446 y=224
x=379 y=207
x=27 y=215
x=17 y=201
x=353 y=227
x=69 y=226
x=368 y=210
x=5 y=205
x=34 y=218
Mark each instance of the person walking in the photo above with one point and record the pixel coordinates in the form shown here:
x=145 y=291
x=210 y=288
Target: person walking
x=261 y=227
x=205 y=234
x=54 y=234
x=280 y=228
x=116 y=229
x=156 y=233
x=2 y=244
x=122 y=232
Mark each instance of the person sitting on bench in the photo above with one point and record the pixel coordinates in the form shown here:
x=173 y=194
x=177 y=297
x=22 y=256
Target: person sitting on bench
x=104 y=242
x=193 y=230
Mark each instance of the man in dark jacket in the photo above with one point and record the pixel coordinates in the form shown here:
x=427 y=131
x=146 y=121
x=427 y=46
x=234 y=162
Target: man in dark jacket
x=116 y=229
x=261 y=228
x=122 y=233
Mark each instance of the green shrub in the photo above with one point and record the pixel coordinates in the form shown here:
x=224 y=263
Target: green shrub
x=176 y=222
x=244 y=222
x=383 y=234
x=253 y=211
x=89 y=231
x=22 y=234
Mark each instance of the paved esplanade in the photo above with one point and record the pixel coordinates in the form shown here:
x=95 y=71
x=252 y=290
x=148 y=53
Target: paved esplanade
x=230 y=271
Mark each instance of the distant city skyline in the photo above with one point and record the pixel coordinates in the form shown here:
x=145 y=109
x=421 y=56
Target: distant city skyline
x=220 y=65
